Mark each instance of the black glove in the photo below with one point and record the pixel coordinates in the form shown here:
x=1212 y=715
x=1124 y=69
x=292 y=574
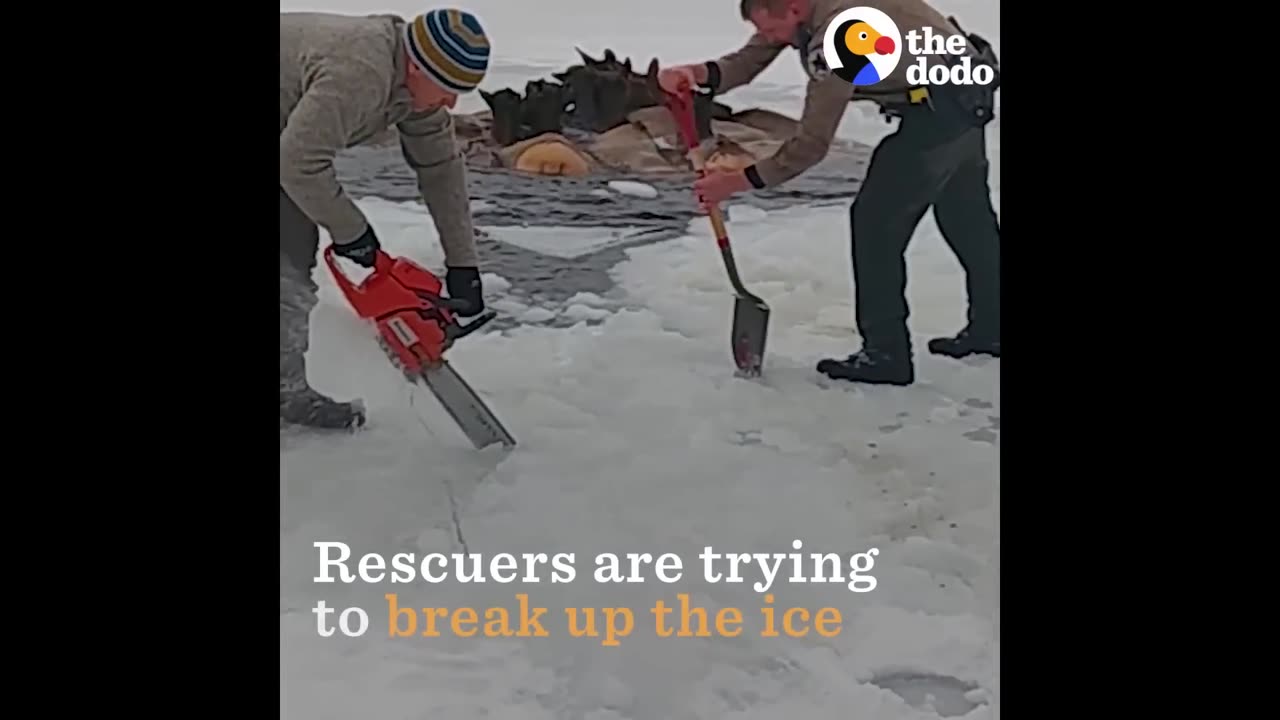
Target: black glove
x=363 y=250
x=464 y=284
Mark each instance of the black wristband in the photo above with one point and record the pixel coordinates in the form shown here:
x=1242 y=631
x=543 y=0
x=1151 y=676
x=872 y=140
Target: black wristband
x=713 y=76
x=753 y=177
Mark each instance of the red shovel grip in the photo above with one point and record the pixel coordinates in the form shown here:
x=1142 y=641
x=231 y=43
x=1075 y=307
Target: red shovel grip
x=680 y=104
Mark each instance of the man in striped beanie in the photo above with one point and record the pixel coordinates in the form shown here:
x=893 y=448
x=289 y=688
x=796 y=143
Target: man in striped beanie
x=344 y=80
x=449 y=54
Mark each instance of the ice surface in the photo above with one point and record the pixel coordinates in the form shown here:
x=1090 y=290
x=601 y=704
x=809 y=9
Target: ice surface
x=588 y=299
x=537 y=315
x=494 y=283
x=578 y=311
x=634 y=436
x=741 y=212
x=635 y=189
x=563 y=242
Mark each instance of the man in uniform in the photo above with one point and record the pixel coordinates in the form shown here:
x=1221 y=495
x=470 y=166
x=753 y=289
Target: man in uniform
x=937 y=158
x=344 y=80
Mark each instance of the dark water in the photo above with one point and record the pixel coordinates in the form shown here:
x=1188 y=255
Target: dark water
x=512 y=200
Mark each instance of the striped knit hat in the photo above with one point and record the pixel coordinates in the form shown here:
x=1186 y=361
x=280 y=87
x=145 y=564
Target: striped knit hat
x=450 y=46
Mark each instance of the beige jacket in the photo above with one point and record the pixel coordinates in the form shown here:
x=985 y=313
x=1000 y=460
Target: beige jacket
x=826 y=96
x=342 y=83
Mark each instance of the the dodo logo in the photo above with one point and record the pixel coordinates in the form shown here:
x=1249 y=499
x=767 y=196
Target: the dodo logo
x=862 y=46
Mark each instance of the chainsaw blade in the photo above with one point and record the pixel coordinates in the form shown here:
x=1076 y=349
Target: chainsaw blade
x=468 y=410
x=471 y=414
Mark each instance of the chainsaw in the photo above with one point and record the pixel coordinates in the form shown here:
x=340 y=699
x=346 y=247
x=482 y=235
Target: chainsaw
x=416 y=326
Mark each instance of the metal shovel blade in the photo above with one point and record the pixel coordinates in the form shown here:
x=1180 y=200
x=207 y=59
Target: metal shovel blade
x=750 y=313
x=750 y=330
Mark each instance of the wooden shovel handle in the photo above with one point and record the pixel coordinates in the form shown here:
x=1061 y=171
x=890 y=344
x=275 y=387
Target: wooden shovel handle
x=717 y=219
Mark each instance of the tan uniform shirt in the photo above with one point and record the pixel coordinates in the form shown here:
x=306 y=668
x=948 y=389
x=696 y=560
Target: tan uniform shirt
x=826 y=96
x=342 y=83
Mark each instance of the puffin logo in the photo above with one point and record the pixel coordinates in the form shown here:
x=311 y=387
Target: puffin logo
x=862 y=46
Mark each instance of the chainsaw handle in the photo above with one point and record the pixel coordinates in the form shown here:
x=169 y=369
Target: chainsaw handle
x=457 y=305
x=456 y=332
x=381 y=264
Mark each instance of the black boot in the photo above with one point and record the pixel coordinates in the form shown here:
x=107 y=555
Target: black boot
x=968 y=342
x=871 y=366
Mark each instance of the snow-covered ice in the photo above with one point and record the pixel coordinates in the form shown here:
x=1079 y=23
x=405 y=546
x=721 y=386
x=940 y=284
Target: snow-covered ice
x=578 y=311
x=633 y=188
x=537 y=315
x=636 y=437
x=742 y=212
x=562 y=242
x=589 y=299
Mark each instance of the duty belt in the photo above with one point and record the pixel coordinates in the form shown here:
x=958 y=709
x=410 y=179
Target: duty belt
x=911 y=96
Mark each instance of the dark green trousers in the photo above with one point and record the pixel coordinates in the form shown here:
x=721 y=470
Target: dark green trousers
x=299 y=237
x=299 y=243
x=931 y=161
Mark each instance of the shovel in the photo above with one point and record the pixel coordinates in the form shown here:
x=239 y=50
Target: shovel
x=750 y=313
